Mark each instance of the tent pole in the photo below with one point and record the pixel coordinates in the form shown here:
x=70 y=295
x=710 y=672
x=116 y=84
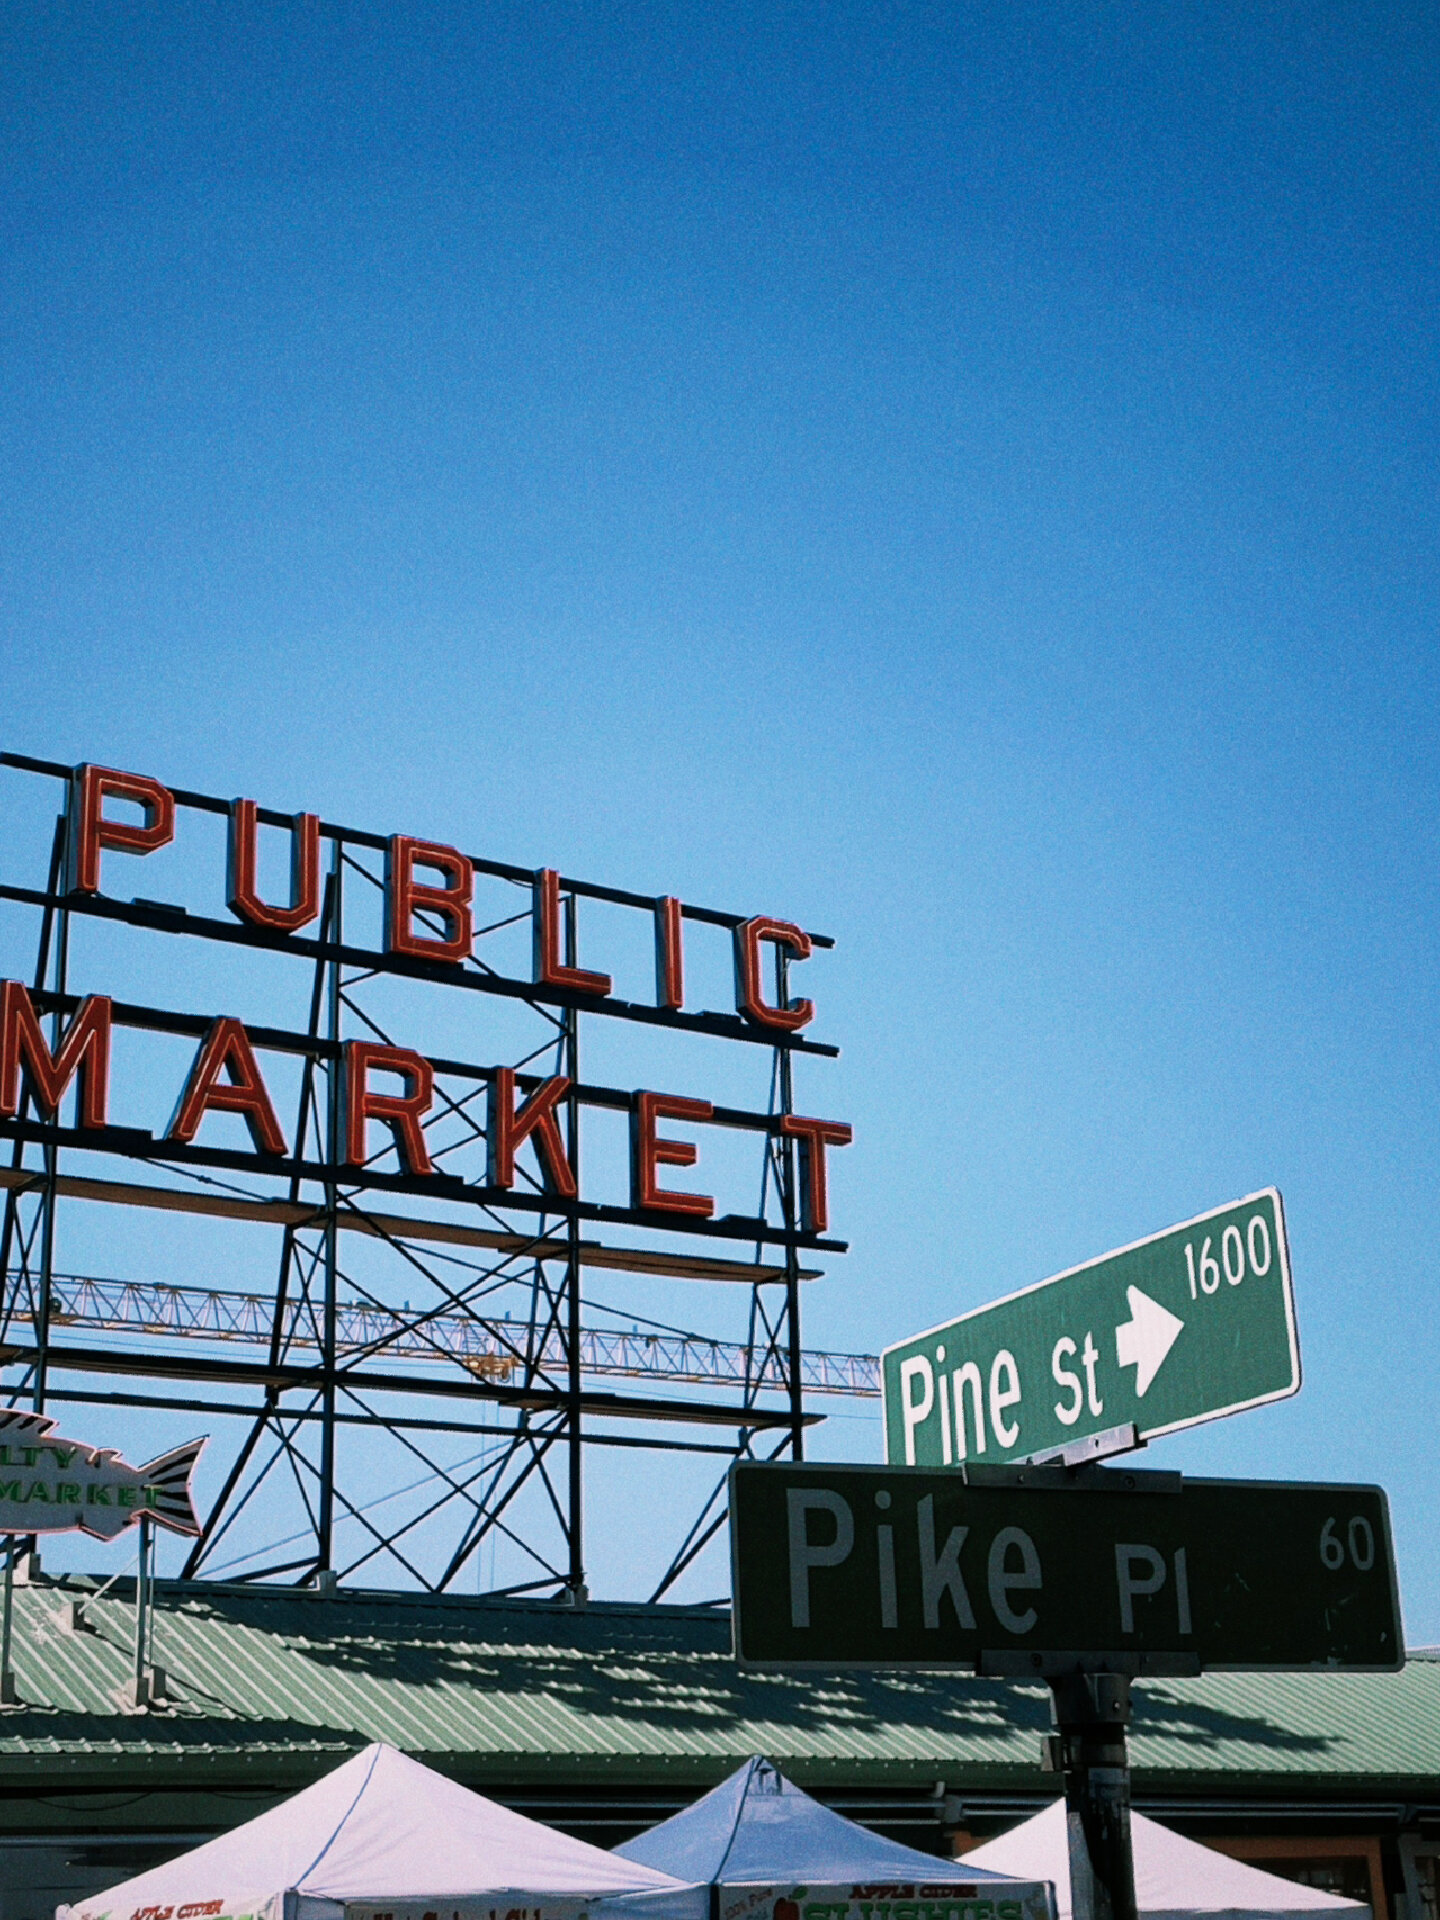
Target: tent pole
x=142 y=1598
x=7 y=1676
x=1091 y=1713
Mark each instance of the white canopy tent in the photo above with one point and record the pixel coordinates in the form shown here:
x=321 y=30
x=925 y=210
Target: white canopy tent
x=1175 y=1878
x=772 y=1853
x=384 y=1838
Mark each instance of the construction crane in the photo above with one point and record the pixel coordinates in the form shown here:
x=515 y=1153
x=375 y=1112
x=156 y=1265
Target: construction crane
x=489 y=1348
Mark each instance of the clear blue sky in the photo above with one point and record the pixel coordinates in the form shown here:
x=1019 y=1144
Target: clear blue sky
x=962 y=477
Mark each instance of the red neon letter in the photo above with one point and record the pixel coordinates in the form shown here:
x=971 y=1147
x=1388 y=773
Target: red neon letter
x=90 y=830
x=400 y=1111
x=550 y=970
x=245 y=902
x=669 y=955
x=405 y=896
x=226 y=1049
x=647 y=1153
x=85 y=1049
x=749 y=993
x=814 y=1136
x=508 y=1128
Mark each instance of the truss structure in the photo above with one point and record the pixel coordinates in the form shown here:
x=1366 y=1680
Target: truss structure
x=432 y=1330
x=484 y=1347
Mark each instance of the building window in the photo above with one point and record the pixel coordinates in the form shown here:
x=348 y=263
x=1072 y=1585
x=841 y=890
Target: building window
x=1427 y=1886
x=1348 y=1865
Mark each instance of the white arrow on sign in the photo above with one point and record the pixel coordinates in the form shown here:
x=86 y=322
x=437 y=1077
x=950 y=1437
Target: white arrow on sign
x=1145 y=1338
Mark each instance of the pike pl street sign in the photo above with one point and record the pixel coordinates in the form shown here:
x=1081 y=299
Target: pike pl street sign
x=1036 y=1570
x=1190 y=1324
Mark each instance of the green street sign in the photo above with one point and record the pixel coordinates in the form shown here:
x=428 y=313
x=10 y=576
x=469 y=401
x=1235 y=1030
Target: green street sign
x=1190 y=1324
x=1033 y=1570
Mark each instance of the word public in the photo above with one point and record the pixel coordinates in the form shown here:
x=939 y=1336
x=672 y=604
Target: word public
x=427 y=915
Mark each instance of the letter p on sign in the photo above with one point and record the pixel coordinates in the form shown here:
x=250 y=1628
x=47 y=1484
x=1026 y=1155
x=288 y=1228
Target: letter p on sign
x=1133 y=1583
x=915 y=1411
x=800 y=1502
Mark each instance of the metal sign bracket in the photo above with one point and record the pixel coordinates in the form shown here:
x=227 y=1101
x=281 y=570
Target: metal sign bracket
x=1097 y=1446
x=1086 y=1478
x=1010 y=1663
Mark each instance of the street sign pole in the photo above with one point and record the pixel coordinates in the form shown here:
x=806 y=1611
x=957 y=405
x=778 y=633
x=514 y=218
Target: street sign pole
x=1092 y=1711
x=1086 y=1577
x=1182 y=1327
x=7 y=1620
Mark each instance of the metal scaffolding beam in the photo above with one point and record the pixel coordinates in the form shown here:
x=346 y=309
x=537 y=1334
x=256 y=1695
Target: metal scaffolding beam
x=487 y=1348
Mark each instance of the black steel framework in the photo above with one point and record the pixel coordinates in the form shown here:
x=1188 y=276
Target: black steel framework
x=309 y=1388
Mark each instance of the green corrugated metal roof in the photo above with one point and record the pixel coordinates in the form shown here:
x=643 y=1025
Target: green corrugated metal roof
x=276 y=1685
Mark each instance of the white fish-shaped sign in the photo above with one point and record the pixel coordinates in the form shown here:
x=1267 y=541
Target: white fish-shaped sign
x=52 y=1485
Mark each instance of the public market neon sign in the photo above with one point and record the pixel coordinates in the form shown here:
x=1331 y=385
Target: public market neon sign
x=428 y=931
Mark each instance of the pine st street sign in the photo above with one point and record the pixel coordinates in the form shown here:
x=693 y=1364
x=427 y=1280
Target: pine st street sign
x=1016 y=1570
x=1185 y=1326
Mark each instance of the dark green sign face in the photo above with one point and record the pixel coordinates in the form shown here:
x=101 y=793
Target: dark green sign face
x=893 y=1567
x=1183 y=1327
